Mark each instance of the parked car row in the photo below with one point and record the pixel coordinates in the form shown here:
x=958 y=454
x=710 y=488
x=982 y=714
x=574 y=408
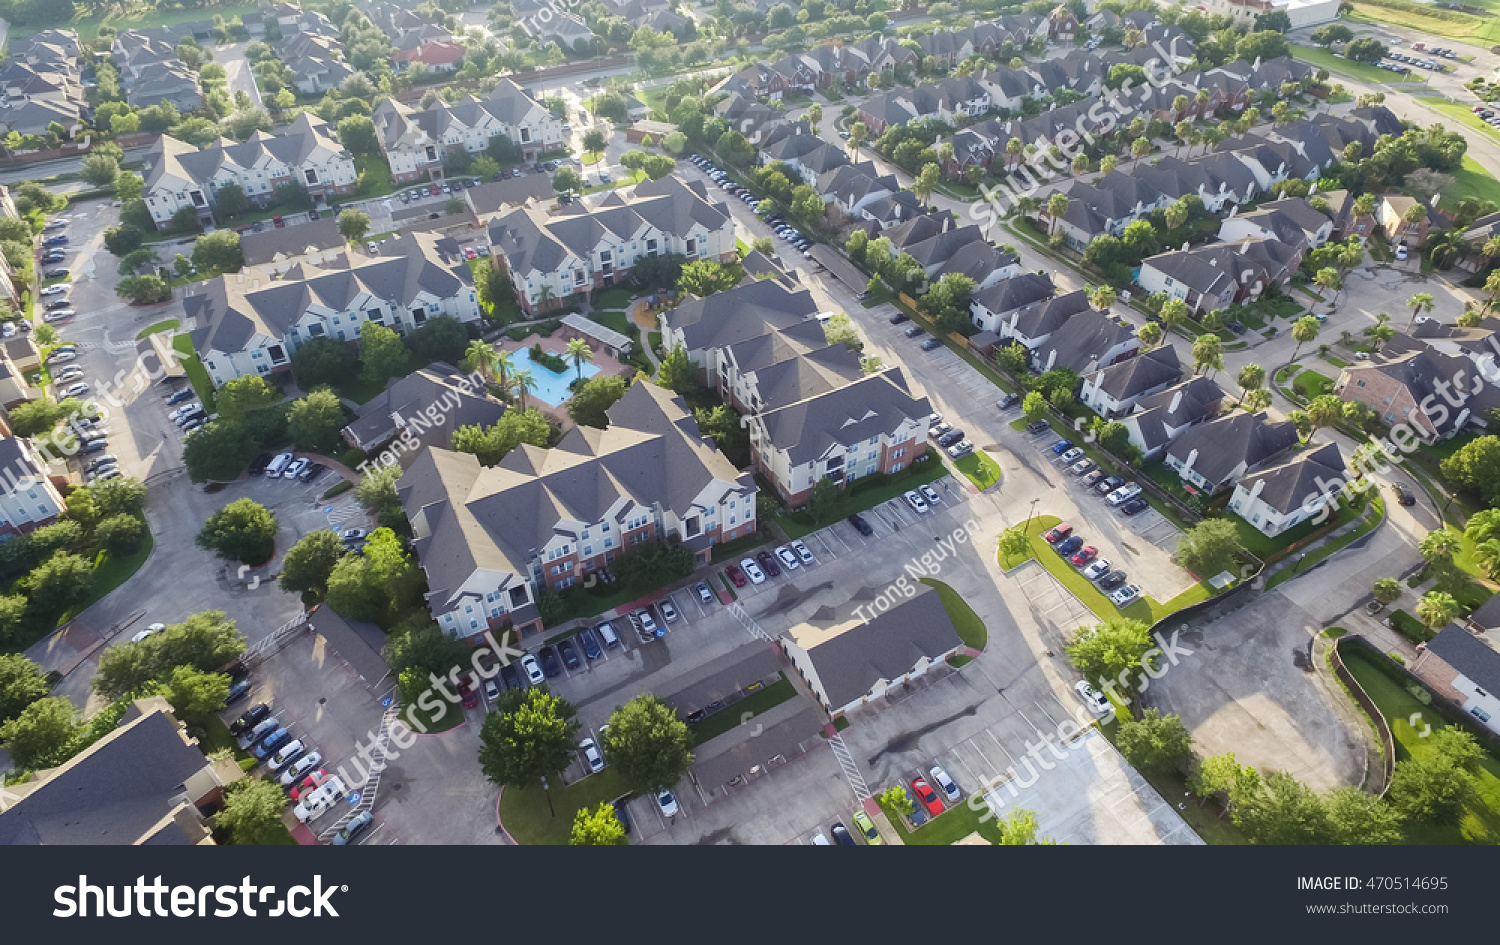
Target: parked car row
x=950 y=439
x=290 y=466
x=1086 y=558
x=766 y=564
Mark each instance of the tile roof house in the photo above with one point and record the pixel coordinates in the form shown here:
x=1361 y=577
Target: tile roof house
x=489 y=539
x=1286 y=495
x=423 y=407
x=242 y=327
x=307 y=153
x=848 y=661
x=439 y=56
x=1159 y=419
x=1211 y=457
x=1464 y=667
x=1113 y=391
x=145 y=782
x=593 y=243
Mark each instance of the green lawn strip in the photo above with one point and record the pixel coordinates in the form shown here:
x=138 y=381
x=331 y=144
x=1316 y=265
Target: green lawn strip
x=1461 y=112
x=949 y=827
x=375 y=172
x=979 y=469
x=1357 y=70
x=88 y=27
x=417 y=717
x=1337 y=544
x=970 y=628
x=728 y=586
x=362 y=389
x=1310 y=383
x=742 y=247
x=1268 y=548
x=110 y=572
x=865 y=493
x=169 y=324
x=732 y=715
x=1481 y=823
x=1471 y=180
x=197 y=374
x=527 y=818
x=1203 y=817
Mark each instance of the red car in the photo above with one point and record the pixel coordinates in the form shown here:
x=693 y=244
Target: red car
x=307 y=784
x=467 y=690
x=927 y=796
x=1058 y=533
x=736 y=575
x=470 y=254
x=1085 y=554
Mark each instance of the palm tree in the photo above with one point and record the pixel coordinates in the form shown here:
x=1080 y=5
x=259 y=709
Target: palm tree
x=1057 y=205
x=502 y=362
x=1437 y=609
x=1107 y=164
x=1257 y=400
x=1173 y=312
x=1103 y=297
x=1387 y=591
x=1305 y=329
x=1251 y=377
x=481 y=355
x=1421 y=302
x=1438 y=548
x=1139 y=148
x=1487 y=556
x=544 y=295
x=1150 y=335
x=1175 y=215
x=579 y=351
x=524 y=382
x=1327 y=278
x=1206 y=354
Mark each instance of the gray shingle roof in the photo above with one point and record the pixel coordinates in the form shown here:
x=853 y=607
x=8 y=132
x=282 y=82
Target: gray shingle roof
x=1290 y=485
x=1469 y=655
x=869 y=406
x=1235 y=438
x=1130 y=377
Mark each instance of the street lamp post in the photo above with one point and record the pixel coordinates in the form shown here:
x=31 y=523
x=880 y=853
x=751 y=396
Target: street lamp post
x=546 y=789
x=1030 y=515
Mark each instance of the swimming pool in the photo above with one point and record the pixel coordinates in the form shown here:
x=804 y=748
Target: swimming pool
x=552 y=387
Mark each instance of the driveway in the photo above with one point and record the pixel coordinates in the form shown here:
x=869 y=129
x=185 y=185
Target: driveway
x=237 y=68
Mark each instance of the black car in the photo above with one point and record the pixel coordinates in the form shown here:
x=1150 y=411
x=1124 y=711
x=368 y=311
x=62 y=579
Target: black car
x=1109 y=484
x=860 y=525
x=622 y=813
x=915 y=330
x=1112 y=580
x=1041 y=426
x=250 y=719
x=55 y=274
x=58 y=303
x=313 y=471
x=1009 y=401
x=1135 y=506
x=94 y=446
x=550 y=666
x=177 y=397
x=841 y=836
x=258 y=465
x=1403 y=494
x=589 y=642
x=696 y=716
x=237 y=692
x=509 y=676
x=900 y=317
x=569 y=654
x=949 y=438
x=768 y=563
x=932 y=343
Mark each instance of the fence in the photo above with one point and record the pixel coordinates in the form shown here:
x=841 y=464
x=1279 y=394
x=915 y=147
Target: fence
x=1387 y=740
x=1451 y=711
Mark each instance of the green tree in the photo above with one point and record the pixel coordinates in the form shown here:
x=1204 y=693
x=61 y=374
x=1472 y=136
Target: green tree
x=1014 y=542
x=599 y=827
x=947 y=301
x=377 y=490
x=529 y=736
x=823 y=501
x=1436 y=786
x=128 y=186
x=1155 y=742
x=1419 y=303
x=1475 y=467
x=314 y=421
x=1109 y=652
x=60 y=582
x=1034 y=405
x=41 y=731
x=703 y=278
x=578 y=352
x=677 y=372
x=242 y=396
x=491 y=444
x=1215 y=776
x=1387 y=591
x=357 y=134
x=219 y=251
x=22 y=682
x=1357 y=818
x=244 y=531
x=194 y=694
x=839 y=329
x=897 y=800
x=593 y=397
x=309 y=563
x=1251 y=377
x=385 y=355
x=1209 y=547
x=1281 y=810
x=252 y=811
x=650 y=745
x=120 y=535
x=567 y=180
x=1437 y=609
x=353 y=223
x=1018 y=829
x=100 y=169
x=218 y=451
x=324 y=362
x=1207 y=354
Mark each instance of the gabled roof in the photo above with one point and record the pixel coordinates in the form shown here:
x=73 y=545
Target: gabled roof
x=1007 y=295
x=1234 y=438
x=1469 y=655
x=869 y=406
x=1047 y=315
x=1296 y=482
x=405 y=397
x=1083 y=339
x=1194 y=270
x=1129 y=378
x=746 y=311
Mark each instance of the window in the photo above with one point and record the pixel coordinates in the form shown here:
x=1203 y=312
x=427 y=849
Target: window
x=588 y=550
x=898 y=467
x=692 y=247
x=315 y=330
x=897 y=454
x=312 y=175
x=525 y=135
x=1479 y=714
x=609 y=542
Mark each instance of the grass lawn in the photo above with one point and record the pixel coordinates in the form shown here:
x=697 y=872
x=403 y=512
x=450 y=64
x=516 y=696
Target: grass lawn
x=363 y=389
x=949 y=827
x=591 y=157
x=1481 y=823
x=375 y=173
x=197 y=374
x=865 y=493
x=417 y=717
x=619 y=321
x=723 y=721
x=170 y=324
x=1413 y=17
x=1359 y=70
x=111 y=572
x=525 y=813
x=970 y=628
x=1460 y=112
x=141 y=17
x=1309 y=383
x=979 y=469
x=634 y=177
x=612 y=298
x=1202 y=817
x=1332 y=547
x=1269 y=549
x=1471 y=180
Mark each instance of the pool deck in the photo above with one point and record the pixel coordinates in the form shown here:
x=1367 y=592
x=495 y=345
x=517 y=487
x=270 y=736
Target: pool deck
x=558 y=345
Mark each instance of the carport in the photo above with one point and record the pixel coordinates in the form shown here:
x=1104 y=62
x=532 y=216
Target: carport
x=357 y=643
x=749 y=751
x=726 y=676
x=840 y=268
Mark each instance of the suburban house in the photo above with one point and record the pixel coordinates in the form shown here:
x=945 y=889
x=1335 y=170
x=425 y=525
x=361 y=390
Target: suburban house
x=437 y=56
x=1114 y=391
x=998 y=308
x=1191 y=277
x=1391 y=212
x=41 y=84
x=1292 y=221
x=309 y=154
x=1412 y=382
x=1463 y=665
x=1212 y=456
x=1286 y=495
x=145 y=782
x=491 y=539
x=812 y=411
x=1106 y=206
x=425 y=406
x=405 y=28
x=315 y=59
x=28 y=499
x=150 y=71
x=593 y=242
x=244 y=327
x=1085 y=343
x=1161 y=418
x=848 y=661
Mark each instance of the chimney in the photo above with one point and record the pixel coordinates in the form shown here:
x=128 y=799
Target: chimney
x=1176 y=401
x=1260 y=485
x=1192 y=457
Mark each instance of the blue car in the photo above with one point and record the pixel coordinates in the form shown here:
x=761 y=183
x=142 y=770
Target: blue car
x=1062 y=446
x=1069 y=545
x=271 y=743
x=54 y=241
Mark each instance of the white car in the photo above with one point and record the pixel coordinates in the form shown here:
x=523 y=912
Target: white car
x=58 y=289
x=73 y=372
x=287 y=754
x=1401 y=252
x=648 y=624
x=1124 y=494
x=756 y=575
x=944 y=782
x=592 y=756
x=1072 y=456
x=931 y=495
x=76 y=389
x=803 y=553
x=491 y=691
x=1098 y=569
x=154 y=628
x=61 y=357
x=788 y=558
x=185 y=410
x=59 y=315
x=317 y=801
x=1124 y=595
x=961 y=449
x=533 y=670
x=300 y=767
x=668 y=803
x=668 y=612
x=917 y=503
x=1092 y=698
x=296 y=467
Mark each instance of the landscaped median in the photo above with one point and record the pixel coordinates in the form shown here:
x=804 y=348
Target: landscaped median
x=864 y=494
x=979 y=469
x=528 y=816
x=1144 y=608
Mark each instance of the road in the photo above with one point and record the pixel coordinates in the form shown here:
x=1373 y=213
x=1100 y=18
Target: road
x=232 y=57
